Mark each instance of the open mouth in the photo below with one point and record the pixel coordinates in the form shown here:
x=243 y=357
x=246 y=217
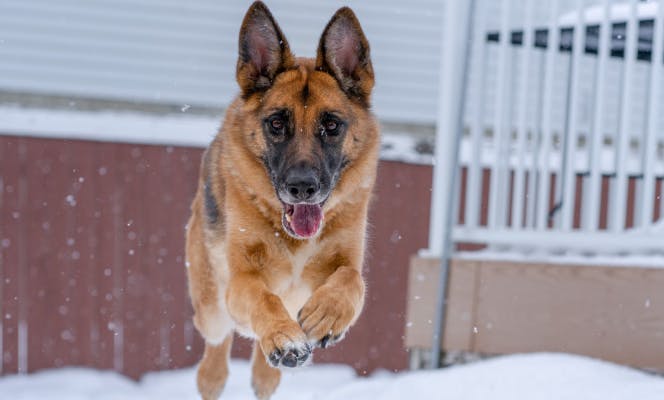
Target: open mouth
x=302 y=220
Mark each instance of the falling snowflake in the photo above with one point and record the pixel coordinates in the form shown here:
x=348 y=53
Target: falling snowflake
x=70 y=200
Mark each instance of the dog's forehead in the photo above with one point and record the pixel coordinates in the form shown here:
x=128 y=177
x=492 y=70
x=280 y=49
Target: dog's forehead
x=304 y=87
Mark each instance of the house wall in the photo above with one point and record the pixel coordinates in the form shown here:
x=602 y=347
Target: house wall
x=92 y=267
x=92 y=270
x=185 y=52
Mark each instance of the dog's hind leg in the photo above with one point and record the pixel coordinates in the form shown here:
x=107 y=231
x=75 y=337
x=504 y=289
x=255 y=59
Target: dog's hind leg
x=215 y=325
x=264 y=378
x=213 y=369
x=206 y=288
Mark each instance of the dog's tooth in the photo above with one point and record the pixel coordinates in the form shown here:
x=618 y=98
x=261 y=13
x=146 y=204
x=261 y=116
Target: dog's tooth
x=288 y=218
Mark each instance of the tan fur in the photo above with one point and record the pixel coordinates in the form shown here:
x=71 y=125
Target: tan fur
x=245 y=273
x=264 y=378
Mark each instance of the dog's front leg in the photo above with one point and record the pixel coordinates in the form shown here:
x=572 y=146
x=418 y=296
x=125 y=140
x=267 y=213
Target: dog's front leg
x=333 y=307
x=280 y=338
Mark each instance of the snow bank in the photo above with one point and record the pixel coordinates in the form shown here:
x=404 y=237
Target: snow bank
x=144 y=128
x=198 y=130
x=109 y=126
x=531 y=376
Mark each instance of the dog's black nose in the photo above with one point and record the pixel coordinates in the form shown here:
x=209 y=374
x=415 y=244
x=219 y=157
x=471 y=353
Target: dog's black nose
x=302 y=185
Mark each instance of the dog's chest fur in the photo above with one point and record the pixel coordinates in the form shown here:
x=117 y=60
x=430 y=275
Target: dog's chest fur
x=295 y=291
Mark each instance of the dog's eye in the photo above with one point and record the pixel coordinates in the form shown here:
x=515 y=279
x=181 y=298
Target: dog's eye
x=330 y=128
x=277 y=126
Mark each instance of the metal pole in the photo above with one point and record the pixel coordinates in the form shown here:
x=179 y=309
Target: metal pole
x=450 y=123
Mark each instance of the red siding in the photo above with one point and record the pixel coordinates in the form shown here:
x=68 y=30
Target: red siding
x=92 y=258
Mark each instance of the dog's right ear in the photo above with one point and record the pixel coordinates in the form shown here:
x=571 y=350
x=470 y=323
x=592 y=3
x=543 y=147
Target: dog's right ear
x=263 y=50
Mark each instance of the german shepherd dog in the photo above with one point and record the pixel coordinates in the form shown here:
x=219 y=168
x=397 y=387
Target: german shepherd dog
x=275 y=243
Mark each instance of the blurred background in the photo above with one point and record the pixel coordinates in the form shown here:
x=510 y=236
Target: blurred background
x=522 y=140
x=106 y=109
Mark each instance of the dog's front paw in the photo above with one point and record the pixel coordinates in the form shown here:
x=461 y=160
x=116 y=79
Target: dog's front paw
x=325 y=318
x=286 y=345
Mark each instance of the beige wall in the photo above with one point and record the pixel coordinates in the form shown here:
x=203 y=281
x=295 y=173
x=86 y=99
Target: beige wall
x=612 y=313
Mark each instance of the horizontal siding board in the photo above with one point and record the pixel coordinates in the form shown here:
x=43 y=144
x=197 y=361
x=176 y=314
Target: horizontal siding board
x=122 y=31
x=126 y=94
x=111 y=76
x=141 y=7
x=157 y=98
x=84 y=15
x=91 y=61
x=109 y=47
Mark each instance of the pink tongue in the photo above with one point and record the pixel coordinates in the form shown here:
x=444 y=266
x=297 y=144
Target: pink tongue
x=306 y=219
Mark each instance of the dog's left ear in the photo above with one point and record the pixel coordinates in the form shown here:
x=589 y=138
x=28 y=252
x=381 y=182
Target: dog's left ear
x=343 y=52
x=263 y=50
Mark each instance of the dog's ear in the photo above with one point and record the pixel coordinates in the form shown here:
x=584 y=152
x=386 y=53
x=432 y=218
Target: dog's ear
x=343 y=52
x=263 y=50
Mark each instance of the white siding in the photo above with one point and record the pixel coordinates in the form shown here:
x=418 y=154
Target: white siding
x=184 y=52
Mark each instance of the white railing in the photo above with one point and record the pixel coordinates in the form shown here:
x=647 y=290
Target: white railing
x=562 y=139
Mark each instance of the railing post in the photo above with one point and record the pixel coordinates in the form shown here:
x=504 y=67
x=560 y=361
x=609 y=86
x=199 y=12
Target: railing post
x=569 y=146
x=500 y=168
x=591 y=198
x=546 y=140
x=647 y=208
x=618 y=208
x=519 y=197
x=453 y=78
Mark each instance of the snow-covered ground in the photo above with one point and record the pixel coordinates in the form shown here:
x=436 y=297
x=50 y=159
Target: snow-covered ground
x=533 y=376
